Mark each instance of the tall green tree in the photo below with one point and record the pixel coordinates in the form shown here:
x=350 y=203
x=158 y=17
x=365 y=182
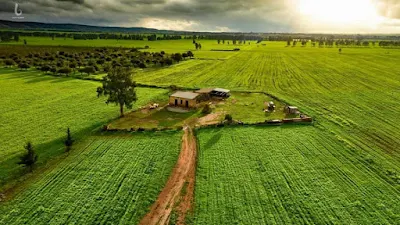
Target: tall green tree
x=119 y=87
x=29 y=158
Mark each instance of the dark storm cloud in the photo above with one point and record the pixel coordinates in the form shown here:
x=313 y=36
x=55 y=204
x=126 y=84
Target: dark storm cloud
x=73 y=1
x=238 y=15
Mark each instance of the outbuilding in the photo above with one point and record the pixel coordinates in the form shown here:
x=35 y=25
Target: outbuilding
x=205 y=93
x=291 y=110
x=184 y=99
x=220 y=92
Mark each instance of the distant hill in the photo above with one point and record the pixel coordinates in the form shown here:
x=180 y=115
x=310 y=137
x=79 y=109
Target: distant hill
x=4 y=24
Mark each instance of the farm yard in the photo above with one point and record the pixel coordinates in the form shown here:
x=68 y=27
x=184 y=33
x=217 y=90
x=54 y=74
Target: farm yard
x=343 y=167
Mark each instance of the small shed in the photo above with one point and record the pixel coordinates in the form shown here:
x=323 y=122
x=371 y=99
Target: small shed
x=291 y=110
x=184 y=99
x=220 y=92
x=205 y=93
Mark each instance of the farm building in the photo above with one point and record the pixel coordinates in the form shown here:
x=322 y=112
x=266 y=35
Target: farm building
x=184 y=99
x=220 y=92
x=207 y=93
x=291 y=110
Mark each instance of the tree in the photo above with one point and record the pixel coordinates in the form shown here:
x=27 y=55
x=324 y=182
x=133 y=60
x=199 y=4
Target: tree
x=219 y=41
x=29 y=158
x=288 y=42
x=9 y=62
x=23 y=66
x=177 y=57
x=68 y=142
x=25 y=43
x=206 y=109
x=228 y=118
x=190 y=54
x=119 y=87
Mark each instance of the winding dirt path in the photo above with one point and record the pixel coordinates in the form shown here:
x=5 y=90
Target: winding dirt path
x=179 y=189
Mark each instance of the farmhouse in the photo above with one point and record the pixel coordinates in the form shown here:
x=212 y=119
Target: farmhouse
x=184 y=99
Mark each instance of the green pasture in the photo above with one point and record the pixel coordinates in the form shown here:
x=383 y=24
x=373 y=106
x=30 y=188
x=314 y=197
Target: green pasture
x=39 y=108
x=108 y=179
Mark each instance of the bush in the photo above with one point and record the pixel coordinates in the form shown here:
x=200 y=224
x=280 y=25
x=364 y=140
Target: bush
x=140 y=129
x=207 y=109
x=228 y=118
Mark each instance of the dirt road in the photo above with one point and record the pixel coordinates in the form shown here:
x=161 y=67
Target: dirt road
x=178 y=193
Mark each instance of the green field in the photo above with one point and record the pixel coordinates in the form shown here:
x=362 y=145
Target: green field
x=344 y=169
x=111 y=179
x=290 y=175
x=39 y=108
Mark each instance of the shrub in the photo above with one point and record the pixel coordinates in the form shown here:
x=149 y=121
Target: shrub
x=228 y=118
x=206 y=109
x=140 y=129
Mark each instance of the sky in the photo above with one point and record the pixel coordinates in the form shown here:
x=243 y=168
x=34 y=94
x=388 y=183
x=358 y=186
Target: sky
x=303 y=16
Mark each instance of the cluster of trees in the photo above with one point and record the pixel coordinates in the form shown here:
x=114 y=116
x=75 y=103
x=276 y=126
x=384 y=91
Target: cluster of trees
x=234 y=42
x=154 y=37
x=88 y=61
x=330 y=42
x=389 y=43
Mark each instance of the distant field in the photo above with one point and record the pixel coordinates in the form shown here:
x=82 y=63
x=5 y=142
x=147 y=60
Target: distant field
x=40 y=108
x=169 y=46
x=289 y=175
x=108 y=180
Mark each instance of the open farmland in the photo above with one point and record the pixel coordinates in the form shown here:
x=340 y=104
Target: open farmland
x=39 y=108
x=353 y=95
x=110 y=179
x=288 y=175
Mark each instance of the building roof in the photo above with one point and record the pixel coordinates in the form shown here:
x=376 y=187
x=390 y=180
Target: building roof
x=204 y=90
x=185 y=95
x=221 y=90
x=292 y=107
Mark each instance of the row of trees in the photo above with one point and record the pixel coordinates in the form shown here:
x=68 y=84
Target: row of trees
x=91 y=61
x=330 y=43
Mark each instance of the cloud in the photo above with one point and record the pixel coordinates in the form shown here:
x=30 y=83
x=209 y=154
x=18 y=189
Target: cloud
x=197 y=15
x=389 y=8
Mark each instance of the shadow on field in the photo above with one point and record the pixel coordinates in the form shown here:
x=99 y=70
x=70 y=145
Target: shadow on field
x=213 y=140
x=11 y=172
x=34 y=76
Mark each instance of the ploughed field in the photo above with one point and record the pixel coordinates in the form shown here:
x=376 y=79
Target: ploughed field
x=109 y=179
x=40 y=108
x=287 y=175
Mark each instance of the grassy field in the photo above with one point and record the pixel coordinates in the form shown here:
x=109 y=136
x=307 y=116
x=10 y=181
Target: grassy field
x=346 y=168
x=110 y=179
x=39 y=108
x=289 y=175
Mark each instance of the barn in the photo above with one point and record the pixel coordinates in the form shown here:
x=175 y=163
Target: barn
x=184 y=99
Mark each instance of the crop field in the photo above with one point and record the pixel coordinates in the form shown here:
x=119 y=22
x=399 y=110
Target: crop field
x=287 y=175
x=39 y=108
x=353 y=95
x=111 y=179
x=169 y=46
